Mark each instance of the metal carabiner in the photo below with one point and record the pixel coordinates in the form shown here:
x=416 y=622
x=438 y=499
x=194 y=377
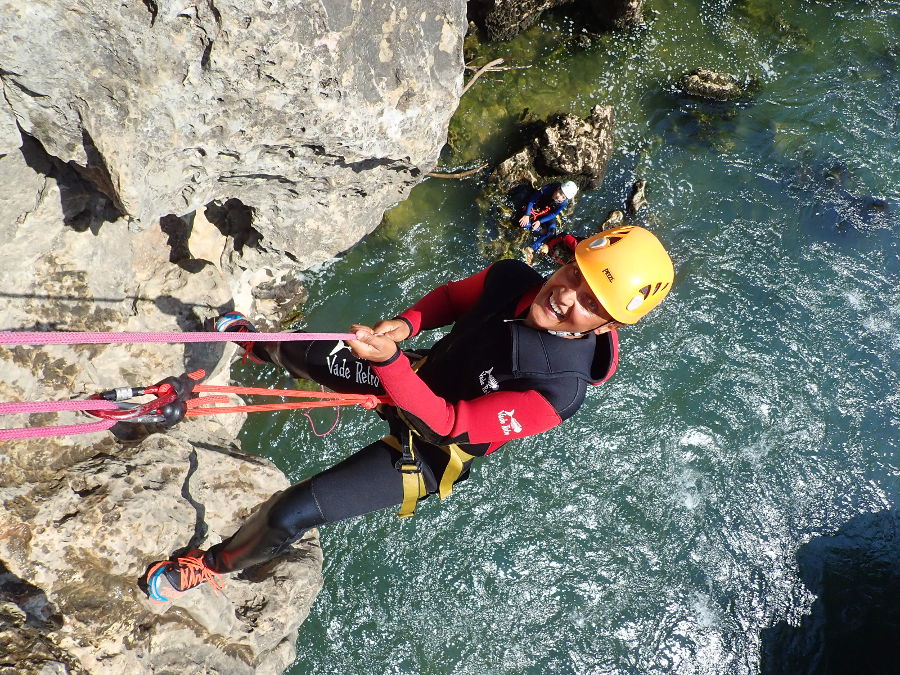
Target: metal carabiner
x=168 y=408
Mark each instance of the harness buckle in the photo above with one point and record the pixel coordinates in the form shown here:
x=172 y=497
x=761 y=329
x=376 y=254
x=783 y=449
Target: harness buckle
x=408 y=465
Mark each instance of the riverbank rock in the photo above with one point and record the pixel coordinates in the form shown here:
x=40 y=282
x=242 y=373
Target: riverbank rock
x=565 y=147
x=617 y=14
x=504 y=19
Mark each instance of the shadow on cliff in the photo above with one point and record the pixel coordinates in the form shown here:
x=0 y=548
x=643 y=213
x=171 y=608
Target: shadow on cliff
x=855 y=622
x=84 y=207
x=31 y=600
x=201 y=529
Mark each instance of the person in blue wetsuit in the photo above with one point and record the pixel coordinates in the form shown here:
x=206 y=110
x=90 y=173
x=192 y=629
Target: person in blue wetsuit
x=543 y=208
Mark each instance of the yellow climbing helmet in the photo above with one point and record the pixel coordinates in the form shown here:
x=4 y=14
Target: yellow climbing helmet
x=628 y=269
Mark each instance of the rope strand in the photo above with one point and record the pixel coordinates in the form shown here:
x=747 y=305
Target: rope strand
x=88 y=338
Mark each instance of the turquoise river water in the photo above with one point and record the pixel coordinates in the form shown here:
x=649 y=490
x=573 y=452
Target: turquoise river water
x=727 y=503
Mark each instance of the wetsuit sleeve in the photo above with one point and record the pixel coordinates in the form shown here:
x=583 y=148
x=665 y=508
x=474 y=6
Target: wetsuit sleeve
x=493 y=418
x=445 y=304
x=554 y=240
x=551 y=215
x=530 y=207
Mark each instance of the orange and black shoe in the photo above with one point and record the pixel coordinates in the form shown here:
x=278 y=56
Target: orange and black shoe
x=169 y=579
x=235 y=322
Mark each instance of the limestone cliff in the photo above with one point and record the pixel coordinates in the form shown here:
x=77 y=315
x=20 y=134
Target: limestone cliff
x=160 y=163
x=310 y=114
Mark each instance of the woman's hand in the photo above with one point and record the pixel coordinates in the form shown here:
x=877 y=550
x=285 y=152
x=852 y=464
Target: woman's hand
x=369 y=346
x=524 y=220
x=394 y=329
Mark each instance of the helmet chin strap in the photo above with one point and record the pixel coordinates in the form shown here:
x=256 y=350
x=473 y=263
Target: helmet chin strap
x=566 y=333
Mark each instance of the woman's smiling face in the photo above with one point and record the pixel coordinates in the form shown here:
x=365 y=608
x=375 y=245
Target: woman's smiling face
x=566 y=303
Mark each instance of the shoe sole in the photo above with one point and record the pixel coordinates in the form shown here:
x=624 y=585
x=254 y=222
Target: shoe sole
x=153 y=593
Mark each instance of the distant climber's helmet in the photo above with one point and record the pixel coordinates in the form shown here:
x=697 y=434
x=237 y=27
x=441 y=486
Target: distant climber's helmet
x=628 y=269
x=569 y=189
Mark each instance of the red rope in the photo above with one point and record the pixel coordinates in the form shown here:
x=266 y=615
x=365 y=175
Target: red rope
x=101 y=406
x=327 y=399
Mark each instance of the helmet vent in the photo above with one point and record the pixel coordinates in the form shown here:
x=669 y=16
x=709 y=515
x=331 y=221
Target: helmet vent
x=615 y=234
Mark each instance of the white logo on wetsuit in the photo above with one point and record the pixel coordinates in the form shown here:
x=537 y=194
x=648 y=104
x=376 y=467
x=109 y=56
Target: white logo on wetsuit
x=508 y=423
x=362 y=372
x=488 y=382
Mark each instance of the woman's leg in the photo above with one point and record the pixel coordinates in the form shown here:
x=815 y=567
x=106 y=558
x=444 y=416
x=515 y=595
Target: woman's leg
x=364 y=482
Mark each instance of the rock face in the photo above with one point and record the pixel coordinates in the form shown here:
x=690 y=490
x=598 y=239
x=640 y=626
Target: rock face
x=83 y=516
x=160 y=164
x=309 y=114
x=84 y=537
x=566 y=147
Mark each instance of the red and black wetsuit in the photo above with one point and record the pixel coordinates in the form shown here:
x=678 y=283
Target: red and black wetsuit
x=561 y=247
x=492 y=379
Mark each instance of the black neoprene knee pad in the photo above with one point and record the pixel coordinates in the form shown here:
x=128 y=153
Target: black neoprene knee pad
x=296 y=510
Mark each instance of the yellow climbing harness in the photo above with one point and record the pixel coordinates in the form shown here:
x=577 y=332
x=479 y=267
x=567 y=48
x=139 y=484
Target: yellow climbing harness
x=410 y=466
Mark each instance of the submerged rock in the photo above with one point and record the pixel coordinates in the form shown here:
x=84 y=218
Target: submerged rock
x=638 y=198
x=712 y=85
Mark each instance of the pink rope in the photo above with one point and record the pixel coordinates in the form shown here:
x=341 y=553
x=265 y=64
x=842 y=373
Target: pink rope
x=77 y=338
x=61 y=430
x=54 y=406
x=85 y=338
